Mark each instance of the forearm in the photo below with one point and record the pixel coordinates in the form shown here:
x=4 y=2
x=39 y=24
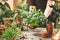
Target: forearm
x=48 y=10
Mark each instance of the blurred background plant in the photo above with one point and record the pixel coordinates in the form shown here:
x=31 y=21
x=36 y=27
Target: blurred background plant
x=58 y=23
x=10 y=34
x=56 y=10
x=5 y=11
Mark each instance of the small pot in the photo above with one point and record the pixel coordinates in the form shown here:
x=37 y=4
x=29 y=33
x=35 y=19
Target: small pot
x=18 y=19
x=44 y=35
x=49 y=28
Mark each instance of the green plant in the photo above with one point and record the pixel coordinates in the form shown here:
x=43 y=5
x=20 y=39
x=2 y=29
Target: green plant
x=32 y=16
x=58 y=23
x=56 y=15
x=4 y=6
x=10 y=33
x=23 y=6
x=36 y=18
x=5 y=11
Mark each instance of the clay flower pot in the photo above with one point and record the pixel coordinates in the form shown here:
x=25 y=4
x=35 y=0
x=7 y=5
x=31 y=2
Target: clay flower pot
x=18 y=19
x=49 y=28
x=6 y=20
x=44 y=35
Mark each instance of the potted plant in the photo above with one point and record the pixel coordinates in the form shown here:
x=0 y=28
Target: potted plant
x=35 y=18
x=31 y=16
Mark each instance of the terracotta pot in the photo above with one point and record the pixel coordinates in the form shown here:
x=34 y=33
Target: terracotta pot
x=44 y=35
x=49 y=28
x=18 y=19
x=5 y=23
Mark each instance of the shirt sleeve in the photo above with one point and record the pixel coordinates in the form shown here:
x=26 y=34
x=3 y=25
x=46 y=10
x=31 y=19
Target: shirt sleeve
x=31 y=2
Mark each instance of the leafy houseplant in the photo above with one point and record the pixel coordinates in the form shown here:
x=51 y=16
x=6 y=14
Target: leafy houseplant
x=36 y=18
x=31 y=16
